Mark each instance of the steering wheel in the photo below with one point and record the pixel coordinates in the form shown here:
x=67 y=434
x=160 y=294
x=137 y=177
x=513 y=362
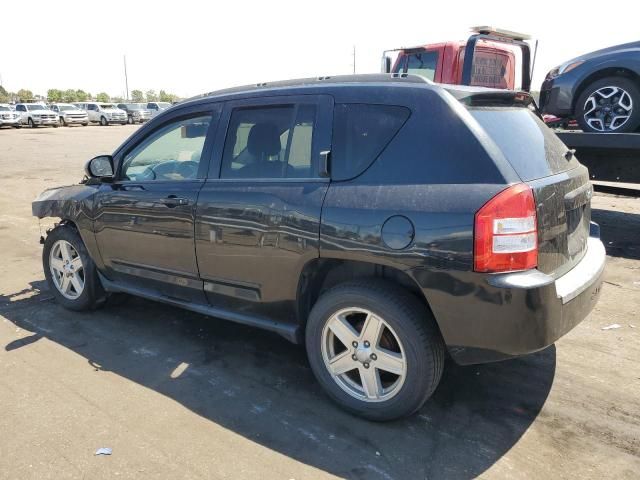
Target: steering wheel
x=187 y=169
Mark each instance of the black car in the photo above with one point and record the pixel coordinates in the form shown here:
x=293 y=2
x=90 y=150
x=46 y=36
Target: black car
x=381 y=220
x=601 y=90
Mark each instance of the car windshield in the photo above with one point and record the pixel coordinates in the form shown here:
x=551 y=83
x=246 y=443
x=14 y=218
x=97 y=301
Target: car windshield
x=164 y=104
x=135 y=106
x=107 y=105
x=4 y=109
x=37 y=107
x=65 y=108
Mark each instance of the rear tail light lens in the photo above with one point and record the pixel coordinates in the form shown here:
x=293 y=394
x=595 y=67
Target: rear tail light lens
x=506 y=235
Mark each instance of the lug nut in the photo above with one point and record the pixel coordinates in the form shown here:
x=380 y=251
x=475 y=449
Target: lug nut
x=366 y=365
x=355 y=344
x=354 y=357
x=366 y=344
x=374 y=356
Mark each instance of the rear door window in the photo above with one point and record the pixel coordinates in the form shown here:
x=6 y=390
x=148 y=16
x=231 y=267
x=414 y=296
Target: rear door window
x=531 y=147
x=360 y=134
x=270 y=142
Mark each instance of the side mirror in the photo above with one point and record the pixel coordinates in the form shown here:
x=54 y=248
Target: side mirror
x=100 y=167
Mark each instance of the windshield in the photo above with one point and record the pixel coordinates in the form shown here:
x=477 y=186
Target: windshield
x=107 y=105
x=65 y=108
x=36 y=107
x=164 y=104
x=4 y=109
x=135 y=106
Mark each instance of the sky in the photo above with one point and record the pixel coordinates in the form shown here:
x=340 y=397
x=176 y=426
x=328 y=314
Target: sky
x=191 y=47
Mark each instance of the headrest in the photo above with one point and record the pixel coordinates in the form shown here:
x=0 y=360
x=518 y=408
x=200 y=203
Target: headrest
x=264 y=139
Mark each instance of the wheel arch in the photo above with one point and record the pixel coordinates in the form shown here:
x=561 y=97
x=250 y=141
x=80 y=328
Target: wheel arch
x=321 y=274
x=623 y=72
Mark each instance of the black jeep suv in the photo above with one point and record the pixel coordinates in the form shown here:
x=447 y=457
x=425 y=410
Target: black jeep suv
x=380 y=219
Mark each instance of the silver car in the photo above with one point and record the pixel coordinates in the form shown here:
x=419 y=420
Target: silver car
x=9 y=118
x=136 y=112
x=70 y=114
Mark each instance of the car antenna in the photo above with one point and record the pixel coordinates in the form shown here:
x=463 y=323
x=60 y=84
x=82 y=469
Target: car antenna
x=533 y=61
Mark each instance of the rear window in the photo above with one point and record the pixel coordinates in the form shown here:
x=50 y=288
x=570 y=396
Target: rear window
x=360 y=133
x=531 y=147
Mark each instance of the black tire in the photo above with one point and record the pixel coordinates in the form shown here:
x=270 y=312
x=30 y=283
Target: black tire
x=413 y=324
x=103 y=121
x=30 y=122
x=63 y=122
x=17 y=126
x=93 y=294
x=85 y=124
x=626 y=84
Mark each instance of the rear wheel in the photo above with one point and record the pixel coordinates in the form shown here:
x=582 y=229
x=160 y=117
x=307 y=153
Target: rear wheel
x=70 y=271
x=375 y=349
x=103 y=121
x=609 y=105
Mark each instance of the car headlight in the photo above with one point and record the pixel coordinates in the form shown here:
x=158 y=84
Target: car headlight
x=564 y=68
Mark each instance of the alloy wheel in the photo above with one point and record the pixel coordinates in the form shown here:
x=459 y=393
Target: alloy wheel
x=67 y=270
x=363 y=355
x=608 y=108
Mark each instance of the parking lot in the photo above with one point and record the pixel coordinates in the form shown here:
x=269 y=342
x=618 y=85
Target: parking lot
x=179 y=395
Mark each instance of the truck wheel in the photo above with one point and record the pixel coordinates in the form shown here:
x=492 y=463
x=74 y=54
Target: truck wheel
x=611 y=104
x=103 y=121
x=31 y=124
x=375 y=349
x=130 y=120
x=69 y=270
x=63 y=122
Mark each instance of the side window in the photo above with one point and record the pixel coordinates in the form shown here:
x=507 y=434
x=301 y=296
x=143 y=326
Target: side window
x=360 y=133
x=270 y=142
x=21 y=108
x=92 y=107
x=423 y=64
x=170 y=153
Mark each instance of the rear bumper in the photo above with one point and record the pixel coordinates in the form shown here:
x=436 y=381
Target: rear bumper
x=508 y=315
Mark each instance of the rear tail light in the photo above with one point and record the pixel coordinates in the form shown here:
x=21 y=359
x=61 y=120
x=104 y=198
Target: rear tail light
x=506 y=234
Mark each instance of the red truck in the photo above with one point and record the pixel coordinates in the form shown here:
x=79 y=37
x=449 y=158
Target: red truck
x=492 y=54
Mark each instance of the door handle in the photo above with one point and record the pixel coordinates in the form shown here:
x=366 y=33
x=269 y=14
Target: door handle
x=132 y=188
x=173 y=201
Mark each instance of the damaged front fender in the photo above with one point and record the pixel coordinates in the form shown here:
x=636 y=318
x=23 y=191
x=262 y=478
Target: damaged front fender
x=74 y=204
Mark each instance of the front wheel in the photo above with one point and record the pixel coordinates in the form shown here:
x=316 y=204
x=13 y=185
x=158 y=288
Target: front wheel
x=31 y=124
x=103 y=121
x=375 y=349
x=609 y=105
x=63 y=122
x=70 y=271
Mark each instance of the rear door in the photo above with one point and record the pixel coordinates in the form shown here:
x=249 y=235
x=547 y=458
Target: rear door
x=145 y=218
x=258 y=216
x=560 y=183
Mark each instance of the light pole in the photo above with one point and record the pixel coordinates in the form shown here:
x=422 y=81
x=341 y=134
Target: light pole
x=126 y=80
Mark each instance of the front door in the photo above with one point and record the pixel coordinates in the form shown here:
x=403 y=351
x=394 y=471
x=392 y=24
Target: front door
x=257 y=225
x=145 y=219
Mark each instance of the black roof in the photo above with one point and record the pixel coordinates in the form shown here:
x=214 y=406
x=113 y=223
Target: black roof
x=362 y=79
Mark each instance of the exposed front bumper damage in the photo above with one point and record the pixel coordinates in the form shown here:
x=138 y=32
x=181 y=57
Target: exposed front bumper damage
x=514 y=314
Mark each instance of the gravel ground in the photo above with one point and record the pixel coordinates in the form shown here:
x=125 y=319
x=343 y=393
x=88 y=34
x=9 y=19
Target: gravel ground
x=178 y=395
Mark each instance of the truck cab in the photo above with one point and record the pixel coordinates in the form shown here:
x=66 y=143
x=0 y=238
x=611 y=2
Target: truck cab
x=493 y=60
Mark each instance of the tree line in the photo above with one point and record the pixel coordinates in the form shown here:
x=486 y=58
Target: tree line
x=55 y=95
